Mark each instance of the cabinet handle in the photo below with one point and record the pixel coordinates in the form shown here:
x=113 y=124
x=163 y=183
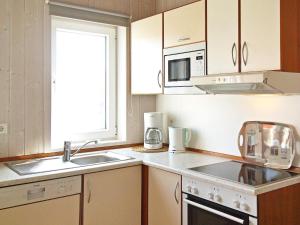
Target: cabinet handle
x=234 y=54
x=175 y=193
x=89 y=192
x=158 y=81
x=245 y=58
x=184 y=39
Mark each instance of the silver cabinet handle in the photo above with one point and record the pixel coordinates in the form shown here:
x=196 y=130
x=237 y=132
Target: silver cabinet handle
x=245 y=58
x=158 y=81
x=214 y=211
x=175 y=193
x=184 y=39
x=234 y=54
x=89 y=192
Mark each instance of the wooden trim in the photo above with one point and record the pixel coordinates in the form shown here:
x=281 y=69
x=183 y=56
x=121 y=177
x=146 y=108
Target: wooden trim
x=206 y=44
x=290 y=35
x=50 y=154
x=81 y=207
x=280 y=207
x=217 y=154
x=239 y=36
x=145 y=187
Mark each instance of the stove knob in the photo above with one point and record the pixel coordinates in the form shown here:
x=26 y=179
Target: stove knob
x=218 y=198
x=236 y=204
x=245 y=207
x=211 y=196
x=195 y=191
x=189 y=188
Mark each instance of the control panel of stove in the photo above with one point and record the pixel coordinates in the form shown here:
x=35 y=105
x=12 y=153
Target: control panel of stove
x=224 y=196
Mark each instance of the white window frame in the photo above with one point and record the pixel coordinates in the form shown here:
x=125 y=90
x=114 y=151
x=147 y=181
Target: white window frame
x=110 y=32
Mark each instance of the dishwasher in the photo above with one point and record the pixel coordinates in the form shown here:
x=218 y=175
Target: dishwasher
x=52 y=202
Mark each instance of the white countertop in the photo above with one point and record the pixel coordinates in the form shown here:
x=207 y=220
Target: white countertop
x=176 y=163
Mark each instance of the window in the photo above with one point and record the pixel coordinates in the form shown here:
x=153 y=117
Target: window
x=83 y=93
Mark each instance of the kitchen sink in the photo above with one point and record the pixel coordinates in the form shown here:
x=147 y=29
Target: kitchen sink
x=98 y=159
x=56 y=163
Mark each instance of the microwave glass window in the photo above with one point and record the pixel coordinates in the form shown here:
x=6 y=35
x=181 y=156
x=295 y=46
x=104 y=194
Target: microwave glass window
x=179 y=69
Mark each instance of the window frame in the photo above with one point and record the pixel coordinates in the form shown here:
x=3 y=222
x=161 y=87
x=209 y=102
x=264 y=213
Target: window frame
x=110 y=32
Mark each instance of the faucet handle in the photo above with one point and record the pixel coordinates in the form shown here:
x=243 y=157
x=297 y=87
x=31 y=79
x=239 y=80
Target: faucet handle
x=67 y=145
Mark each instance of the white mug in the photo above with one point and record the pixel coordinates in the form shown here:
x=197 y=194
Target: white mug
x=179 y=138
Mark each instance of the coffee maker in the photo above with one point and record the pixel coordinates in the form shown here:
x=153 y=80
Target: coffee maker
x=153 y=127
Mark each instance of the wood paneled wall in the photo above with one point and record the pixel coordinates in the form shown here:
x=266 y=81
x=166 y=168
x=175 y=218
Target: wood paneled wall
x=164 y=5
x=25 y=69
x=138 y=9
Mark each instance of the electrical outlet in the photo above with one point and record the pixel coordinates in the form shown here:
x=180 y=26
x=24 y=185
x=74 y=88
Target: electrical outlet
x=3 y=128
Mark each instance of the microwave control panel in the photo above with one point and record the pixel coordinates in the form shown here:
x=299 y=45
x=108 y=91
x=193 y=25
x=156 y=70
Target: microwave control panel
x=198 y=63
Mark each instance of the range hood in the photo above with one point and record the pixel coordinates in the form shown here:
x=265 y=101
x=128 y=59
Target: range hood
x=264 y=82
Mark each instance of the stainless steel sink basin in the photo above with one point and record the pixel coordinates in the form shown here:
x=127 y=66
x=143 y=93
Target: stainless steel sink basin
x=40 y=166
x=98 y=159
x=56 y=163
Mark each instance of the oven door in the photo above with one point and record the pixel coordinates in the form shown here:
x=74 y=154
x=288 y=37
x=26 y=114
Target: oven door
x=197 y=211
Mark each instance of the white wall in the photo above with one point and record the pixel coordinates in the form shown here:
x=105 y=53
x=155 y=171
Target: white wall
x=216 y=120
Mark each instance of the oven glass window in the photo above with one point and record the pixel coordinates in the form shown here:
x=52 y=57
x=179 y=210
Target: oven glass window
x=179 y=69
x=201 y=217
x=202 y=212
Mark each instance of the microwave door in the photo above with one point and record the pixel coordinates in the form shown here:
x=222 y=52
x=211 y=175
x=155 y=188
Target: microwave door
x=177 y=70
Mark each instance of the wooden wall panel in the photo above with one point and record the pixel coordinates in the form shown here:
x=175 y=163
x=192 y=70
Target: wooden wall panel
x=25 y=76
x=4 y=72
x=290 y=35
x=164 y=5
x=280 y=207
x=17 y=79
x=34 y=70
x=142 y=8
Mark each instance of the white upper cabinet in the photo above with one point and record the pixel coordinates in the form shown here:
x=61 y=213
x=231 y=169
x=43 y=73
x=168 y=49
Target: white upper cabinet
x=184 y=25
x=222 y=36
x=260 y=35
x=146 y=56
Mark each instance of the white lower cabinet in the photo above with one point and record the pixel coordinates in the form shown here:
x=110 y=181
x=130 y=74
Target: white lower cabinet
x=61 y=211
x=164 y=198
x=113 y=197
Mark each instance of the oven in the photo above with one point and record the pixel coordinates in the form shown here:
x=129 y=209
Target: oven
x=183 y=62
x=198 y=211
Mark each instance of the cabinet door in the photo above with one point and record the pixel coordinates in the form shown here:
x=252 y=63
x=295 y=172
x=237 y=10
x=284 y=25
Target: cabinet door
x=164 y=198
x=260 y=35
x=222 y=36
x=184 y=25
x=61 y=211
x=146 y=56
x=113 y=197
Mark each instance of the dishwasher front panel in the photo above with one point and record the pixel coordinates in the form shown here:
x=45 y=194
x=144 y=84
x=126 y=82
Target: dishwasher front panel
x=39 y=191
x=60 y=211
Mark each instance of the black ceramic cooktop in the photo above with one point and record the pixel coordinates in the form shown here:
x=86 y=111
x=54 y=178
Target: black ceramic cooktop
x=244 y=173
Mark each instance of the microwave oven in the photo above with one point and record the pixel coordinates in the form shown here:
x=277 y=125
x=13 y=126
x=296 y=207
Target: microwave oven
x=183 y=62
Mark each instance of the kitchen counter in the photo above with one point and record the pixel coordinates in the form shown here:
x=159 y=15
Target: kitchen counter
x=176 y=163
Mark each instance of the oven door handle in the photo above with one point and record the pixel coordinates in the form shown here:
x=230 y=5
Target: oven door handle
x=216 y=212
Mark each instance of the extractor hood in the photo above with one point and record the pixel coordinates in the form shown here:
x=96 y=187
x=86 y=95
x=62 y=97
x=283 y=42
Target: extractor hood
x=265 y=82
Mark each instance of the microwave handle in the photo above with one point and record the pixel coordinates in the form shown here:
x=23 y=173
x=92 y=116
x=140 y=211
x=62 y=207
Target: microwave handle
x=214 y=211
x=158 y=76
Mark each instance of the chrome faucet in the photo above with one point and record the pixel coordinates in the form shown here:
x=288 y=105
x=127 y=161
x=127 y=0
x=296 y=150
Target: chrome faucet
x=68 y=150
